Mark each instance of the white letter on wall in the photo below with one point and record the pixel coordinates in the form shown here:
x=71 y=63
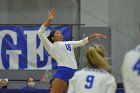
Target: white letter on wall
x=32 y=51
x=13 y=35
x=14 y=60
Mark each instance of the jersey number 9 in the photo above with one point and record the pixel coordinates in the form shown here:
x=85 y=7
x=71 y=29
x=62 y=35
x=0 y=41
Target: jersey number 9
x=89 y=81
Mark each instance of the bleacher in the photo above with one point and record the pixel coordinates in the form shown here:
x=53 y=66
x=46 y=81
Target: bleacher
x=17 y=78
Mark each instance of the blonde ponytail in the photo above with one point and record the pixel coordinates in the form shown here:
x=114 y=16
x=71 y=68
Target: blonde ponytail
x=95 y=56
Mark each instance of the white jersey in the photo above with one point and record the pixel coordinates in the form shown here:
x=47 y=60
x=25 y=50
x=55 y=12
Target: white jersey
x=62 y=51
x=92 y=81
x=131 y=71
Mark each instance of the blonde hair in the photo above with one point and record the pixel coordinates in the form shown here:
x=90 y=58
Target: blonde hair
x=95 y=56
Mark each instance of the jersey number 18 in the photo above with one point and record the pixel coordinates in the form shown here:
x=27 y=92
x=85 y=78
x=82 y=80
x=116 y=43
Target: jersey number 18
x=68 y=47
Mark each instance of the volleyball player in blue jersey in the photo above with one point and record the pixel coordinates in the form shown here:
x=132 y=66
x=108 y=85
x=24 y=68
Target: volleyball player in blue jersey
x=62 y=52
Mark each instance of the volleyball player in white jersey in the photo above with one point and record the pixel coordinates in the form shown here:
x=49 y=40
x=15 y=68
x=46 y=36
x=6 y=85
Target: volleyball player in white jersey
x=94 y=78
x=131 y=71
x=62 y=52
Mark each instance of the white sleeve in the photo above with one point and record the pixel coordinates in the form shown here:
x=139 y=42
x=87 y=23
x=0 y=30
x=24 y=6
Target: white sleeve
x=127 y=62
x=43 y=37
x=72 y=82
x=79 y=43
x=70 y=86
x=111 y=85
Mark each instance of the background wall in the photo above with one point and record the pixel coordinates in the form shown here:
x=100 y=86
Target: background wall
x=86 y=31
x=125 y=33
x=35 y=11
x=94 y=13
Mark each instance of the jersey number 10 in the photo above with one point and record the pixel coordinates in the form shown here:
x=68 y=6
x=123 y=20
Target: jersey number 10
x=89 y=81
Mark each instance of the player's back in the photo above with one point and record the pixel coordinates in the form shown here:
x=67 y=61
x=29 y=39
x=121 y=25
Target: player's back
x=92 y=81
x=131 y=71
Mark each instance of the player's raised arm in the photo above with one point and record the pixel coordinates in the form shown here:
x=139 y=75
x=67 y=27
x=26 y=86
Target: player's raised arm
x=41 y=33
x=87 y=39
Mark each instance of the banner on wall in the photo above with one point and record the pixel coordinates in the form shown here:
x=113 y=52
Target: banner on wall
x=20 y=48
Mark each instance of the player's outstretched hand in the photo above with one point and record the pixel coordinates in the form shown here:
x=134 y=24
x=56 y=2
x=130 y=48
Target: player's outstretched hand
x=51 y=14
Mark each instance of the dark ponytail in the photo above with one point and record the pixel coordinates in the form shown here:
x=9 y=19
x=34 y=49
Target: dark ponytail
x=50 y=36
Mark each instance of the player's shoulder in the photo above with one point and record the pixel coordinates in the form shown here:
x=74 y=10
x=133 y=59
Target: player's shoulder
x=82 y=71
x=96 y=72
x=131 y=54
x=133 y=51
x=137 y=48
x=93 y=70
